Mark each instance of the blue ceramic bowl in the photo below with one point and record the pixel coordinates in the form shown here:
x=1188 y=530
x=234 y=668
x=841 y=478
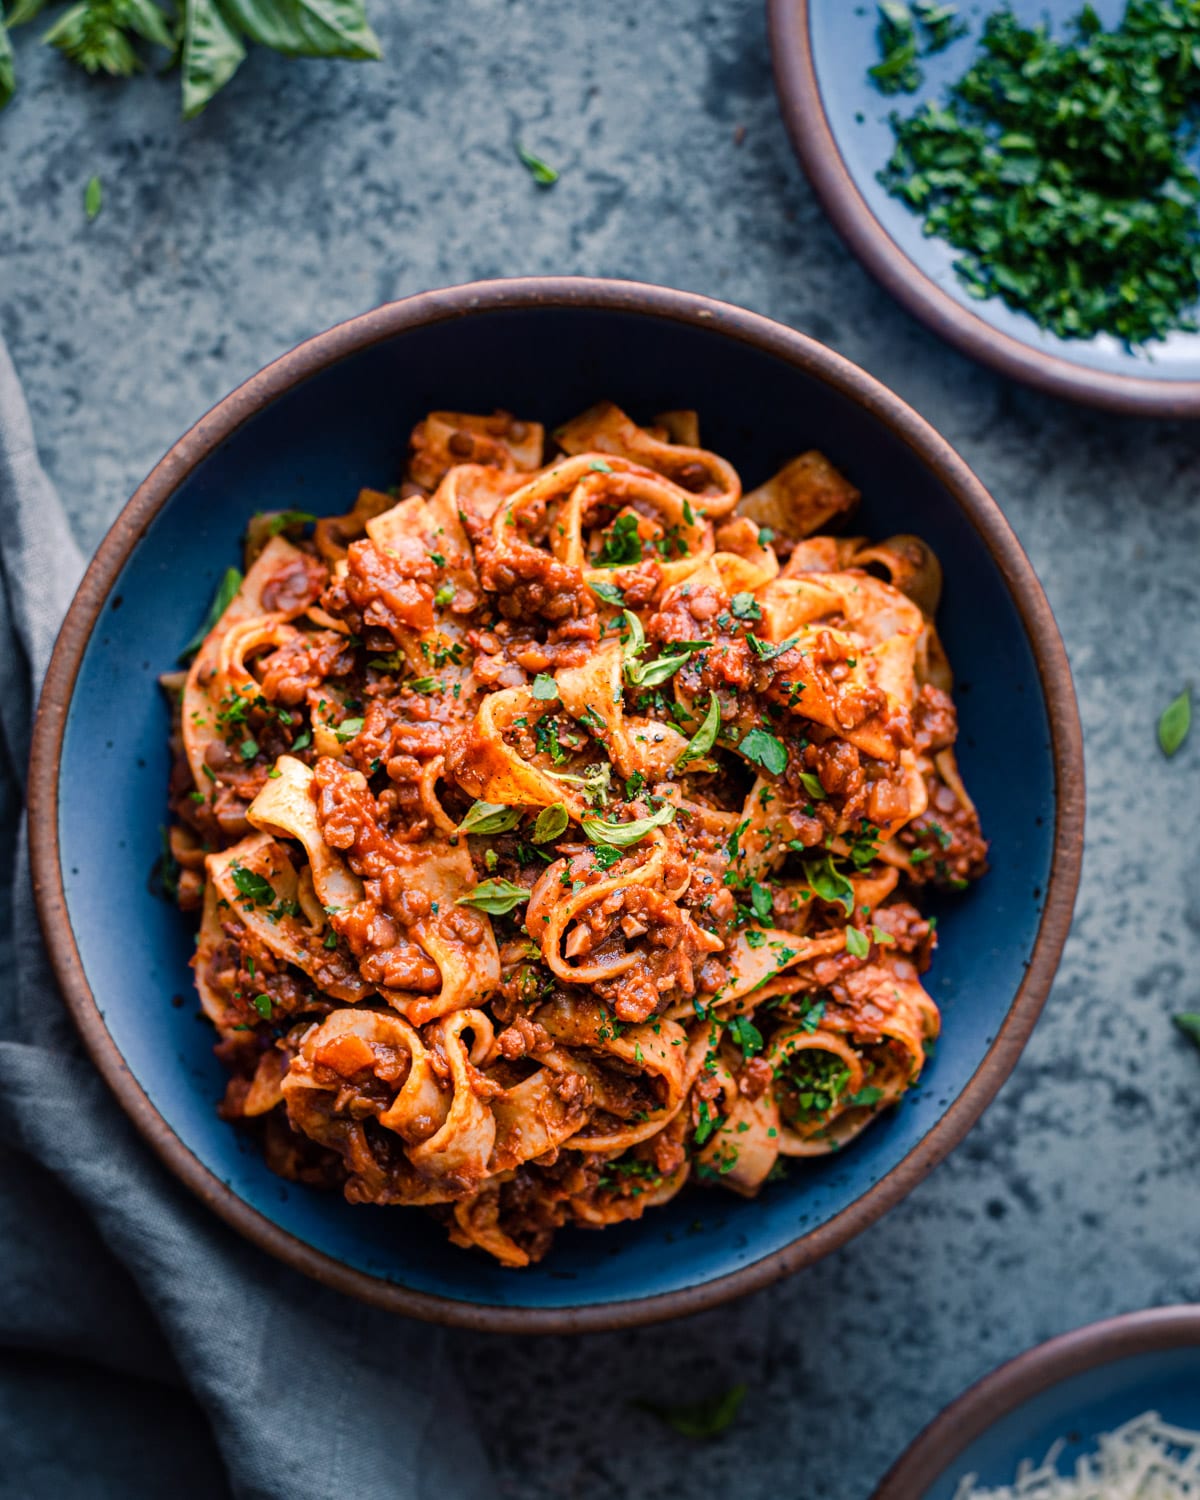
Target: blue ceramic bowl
x=1077 y=1387
x=307 y=433
x=838 y=121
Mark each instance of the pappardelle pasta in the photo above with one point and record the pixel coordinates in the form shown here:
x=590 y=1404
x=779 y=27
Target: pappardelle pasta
x=555 y=821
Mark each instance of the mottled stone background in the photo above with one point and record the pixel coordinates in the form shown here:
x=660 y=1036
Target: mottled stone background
x=311 y=191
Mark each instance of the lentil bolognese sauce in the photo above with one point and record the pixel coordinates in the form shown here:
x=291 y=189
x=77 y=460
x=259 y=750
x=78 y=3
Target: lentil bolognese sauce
x=556 y=825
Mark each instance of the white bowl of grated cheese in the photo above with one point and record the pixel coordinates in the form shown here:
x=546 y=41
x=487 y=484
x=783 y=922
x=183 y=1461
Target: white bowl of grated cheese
x=1108 y=1412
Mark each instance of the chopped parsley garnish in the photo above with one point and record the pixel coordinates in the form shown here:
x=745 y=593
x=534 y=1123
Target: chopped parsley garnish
x=248 y=749
x=828 y=882
x=609 y=592
x=865 y=1097
x=900 y=46
x=288 y=518
x=347 y=729
x=745 y=607
x=705 y=737
x=599 y=465
x=545 y=689
x=1058 y=168
x=763 y=749
x=812 y=786
x=858 y=944
x=622 y=545
x=262 y=1004
x=444 y=595
x=1188 y=1022
x=746 y=1034
x=252 y=885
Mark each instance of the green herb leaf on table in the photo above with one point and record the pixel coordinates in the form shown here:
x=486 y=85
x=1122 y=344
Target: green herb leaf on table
x=496 y=897
x=541 y=172
x=1174 y=723
x=551 y=824
x=699 y=1419
x=486 y=818
x=623 y=835
x=93 y=198
x=231 y=581
x=896 y=72
x=1189 y=1023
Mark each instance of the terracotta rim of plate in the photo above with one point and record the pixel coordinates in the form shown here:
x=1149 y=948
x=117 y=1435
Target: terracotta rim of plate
x=980 y=1407
x=814 y=143
x=659 y=303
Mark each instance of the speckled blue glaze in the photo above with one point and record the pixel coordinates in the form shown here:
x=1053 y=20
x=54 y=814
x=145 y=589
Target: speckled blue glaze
x=1081 y=1408
x=843 y=43
x=313 y=449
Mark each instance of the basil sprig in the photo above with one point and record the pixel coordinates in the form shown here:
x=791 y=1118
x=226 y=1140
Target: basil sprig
x=489 y=817
x=231 y=581
x=705 y=737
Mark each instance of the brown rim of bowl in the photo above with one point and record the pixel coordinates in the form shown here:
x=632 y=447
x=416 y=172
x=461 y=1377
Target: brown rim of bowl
x=616 y=296
x=813 y=141
x=981 y=1406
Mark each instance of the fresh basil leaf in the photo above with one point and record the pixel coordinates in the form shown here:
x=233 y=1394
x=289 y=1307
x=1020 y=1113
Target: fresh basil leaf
x=489 y=817
x=763 y=749
x=93 y=197
x=262 y=1004
x=545 y=689
x=422 y=684
x=307 y=28
x=828 y=882
x=551 y=824
x=699 y=1419
x=812 y=786
x=768 y=650
x=622 y=835
x=747 y=1035
x=303 y=740
x=858 y=944
x=496 y=897
x=541 y=172
x=1174 y=723
x=705 y=737
x=230 y=582
x=652 y=674
x=347 y=729
x=634 y=640
x=212 y=54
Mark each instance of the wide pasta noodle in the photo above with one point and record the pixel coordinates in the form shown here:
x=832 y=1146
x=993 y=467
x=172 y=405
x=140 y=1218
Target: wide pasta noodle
x=557 y=824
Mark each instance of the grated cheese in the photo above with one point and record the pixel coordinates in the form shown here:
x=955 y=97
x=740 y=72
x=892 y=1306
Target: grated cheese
x=1146 y=1459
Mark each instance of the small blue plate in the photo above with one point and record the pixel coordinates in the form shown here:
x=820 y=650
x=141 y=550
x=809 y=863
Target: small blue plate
x=1076 y=1387
x=306 y=433
x=838 y=122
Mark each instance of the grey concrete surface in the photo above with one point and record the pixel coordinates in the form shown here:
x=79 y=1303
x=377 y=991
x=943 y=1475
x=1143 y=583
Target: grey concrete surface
x=312 y=191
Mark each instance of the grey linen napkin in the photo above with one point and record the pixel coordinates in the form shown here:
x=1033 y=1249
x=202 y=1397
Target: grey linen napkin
x=105 y=1258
